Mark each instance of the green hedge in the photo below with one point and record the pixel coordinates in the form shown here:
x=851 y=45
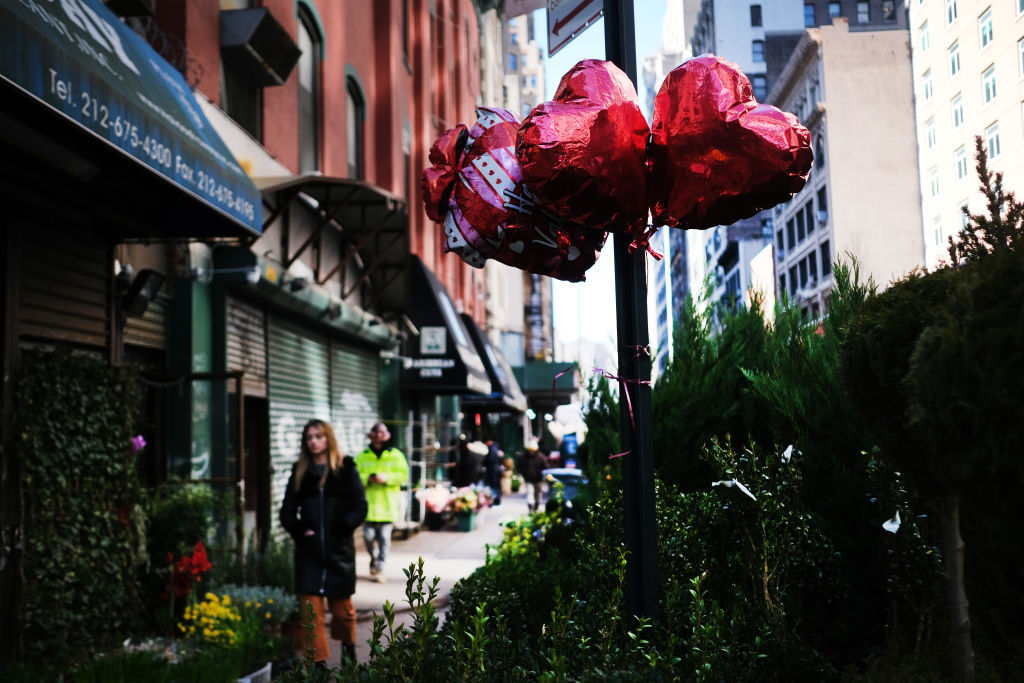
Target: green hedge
x=81 y=511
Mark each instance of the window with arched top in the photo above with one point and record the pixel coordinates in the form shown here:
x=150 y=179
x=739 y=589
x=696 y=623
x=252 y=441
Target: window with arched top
x=355 y=117
x=311 y=45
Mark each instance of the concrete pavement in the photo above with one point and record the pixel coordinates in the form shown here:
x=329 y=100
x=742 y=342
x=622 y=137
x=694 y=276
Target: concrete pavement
x=448 y=554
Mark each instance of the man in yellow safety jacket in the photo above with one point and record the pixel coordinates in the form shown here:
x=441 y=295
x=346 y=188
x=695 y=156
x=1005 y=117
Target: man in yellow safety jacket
x=383 y=471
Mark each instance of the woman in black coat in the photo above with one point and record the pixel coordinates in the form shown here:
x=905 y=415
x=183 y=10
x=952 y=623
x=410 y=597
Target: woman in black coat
x=323 y=504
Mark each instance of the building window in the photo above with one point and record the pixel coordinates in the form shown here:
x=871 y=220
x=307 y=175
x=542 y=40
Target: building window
x=988 y=84
x=950 y=11
x=926 y=40
x=819 y=152
x=809 y=215
x=533 y=81
x=954 y=59
x=801 y=227
x=933 y=183
x=513 y=62
x=755 y=15
x=834 y=10
x=780 y=241
x=937 y=231
x=1020 y=7
x=1020 y=54
x=888 y=10
x=957 y=106
x=792 y=280
x=757 y=50
x=929 y=132
x=992 y=140
x=822 y=201
x=826 y=259
x=760 y=85
x=985 y=28
x=808 y=15
x=791 y=233
x=965 y=217
x=782 y=282
x=309 y=93
x=863 y=12
x=355 y=116
x=961 y=163
x=927 y=78
x=812 y=267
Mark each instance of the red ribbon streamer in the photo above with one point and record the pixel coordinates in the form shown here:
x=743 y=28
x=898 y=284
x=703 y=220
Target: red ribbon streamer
x=555 y=380
x=623 y=381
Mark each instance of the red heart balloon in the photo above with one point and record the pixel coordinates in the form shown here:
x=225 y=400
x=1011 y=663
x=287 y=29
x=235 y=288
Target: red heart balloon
x=490 y=213
x=583 y=154
x=717 y=155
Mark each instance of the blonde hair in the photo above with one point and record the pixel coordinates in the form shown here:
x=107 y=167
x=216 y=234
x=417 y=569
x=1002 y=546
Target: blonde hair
x=334 y=456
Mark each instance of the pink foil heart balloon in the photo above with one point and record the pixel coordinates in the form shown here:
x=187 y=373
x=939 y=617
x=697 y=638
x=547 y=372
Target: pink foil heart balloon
x=717 y=155
x=583 y=154
x=490 y=213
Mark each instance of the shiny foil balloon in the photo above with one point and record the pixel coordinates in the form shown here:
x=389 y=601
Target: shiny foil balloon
x=717 y=155
x=583 y=154
x=439 y=178
x=488 y=212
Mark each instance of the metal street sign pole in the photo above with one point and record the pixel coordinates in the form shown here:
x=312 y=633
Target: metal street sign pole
x=634 y=368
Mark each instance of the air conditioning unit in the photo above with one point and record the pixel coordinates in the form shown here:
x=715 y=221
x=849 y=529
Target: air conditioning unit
x=823 y=217
x=252 y=41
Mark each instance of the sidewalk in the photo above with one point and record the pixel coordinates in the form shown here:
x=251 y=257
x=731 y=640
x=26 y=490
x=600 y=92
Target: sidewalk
x=448 y=554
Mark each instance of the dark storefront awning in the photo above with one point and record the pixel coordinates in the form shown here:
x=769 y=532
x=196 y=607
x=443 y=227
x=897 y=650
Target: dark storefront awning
x=375 y=222
x=505 y=394
x=83 y=92
x=441 y=358
x=548 y=385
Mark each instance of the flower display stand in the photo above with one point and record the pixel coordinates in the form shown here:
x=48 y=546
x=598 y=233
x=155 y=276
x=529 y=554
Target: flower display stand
x=466 y=521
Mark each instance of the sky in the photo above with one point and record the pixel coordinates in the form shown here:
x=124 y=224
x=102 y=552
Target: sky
x=587 y=309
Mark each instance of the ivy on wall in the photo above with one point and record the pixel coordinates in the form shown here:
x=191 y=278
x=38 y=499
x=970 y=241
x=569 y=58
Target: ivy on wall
x=80 y=505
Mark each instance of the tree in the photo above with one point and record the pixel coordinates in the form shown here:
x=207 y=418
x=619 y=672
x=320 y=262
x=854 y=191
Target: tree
x=935 y=363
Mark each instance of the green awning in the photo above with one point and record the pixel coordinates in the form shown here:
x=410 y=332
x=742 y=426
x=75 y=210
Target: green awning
x=82 y=62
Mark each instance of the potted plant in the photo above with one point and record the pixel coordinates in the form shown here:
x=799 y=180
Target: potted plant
x=466 y=502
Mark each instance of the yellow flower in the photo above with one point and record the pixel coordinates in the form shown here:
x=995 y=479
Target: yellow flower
x=248 y=603
x=227 y=599
x=268 y=615
x=270 y=601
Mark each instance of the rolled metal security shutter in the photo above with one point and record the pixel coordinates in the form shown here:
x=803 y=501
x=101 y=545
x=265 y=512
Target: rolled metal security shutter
x=355 y=395
x=298 y=387
x=65 y=288
x=247 y=345
x=149 y=329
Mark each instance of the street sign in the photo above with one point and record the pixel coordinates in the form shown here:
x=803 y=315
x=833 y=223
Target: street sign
x=568 y=18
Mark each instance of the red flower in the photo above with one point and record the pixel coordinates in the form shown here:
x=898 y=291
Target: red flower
x=189 y=569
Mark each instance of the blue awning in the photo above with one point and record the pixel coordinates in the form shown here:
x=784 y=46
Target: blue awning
x=82 y=62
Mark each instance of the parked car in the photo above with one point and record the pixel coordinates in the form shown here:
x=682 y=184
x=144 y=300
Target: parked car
x=571 y=479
